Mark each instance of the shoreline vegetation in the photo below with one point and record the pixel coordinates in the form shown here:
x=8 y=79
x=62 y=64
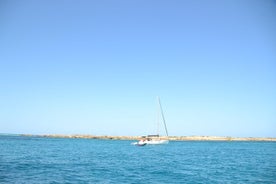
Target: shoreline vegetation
x=171 y=138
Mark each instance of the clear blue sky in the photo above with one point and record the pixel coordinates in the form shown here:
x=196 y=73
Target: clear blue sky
x=96 y=67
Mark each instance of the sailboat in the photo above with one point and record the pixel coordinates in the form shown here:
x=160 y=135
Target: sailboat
x=155 y=139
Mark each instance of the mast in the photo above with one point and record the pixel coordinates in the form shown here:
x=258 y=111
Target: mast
x=162 y=115
x=158 y=119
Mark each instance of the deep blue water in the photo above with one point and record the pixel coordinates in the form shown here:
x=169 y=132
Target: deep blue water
x=56 y=160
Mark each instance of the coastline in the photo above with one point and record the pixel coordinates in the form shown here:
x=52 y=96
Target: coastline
x=171 y=138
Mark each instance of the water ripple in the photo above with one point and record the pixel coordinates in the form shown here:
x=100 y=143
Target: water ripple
x=50 y=160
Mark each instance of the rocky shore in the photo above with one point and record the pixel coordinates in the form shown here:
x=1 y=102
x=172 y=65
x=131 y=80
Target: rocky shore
x=171 y=138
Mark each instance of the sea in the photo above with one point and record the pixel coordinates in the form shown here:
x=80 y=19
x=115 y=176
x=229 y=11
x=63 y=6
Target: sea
x=63 y=160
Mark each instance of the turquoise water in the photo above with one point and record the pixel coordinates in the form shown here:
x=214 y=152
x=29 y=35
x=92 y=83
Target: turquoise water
x=56 y=160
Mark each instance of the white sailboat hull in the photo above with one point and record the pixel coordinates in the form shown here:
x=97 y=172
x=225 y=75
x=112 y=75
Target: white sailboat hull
x=150 y=142
x=157 y=142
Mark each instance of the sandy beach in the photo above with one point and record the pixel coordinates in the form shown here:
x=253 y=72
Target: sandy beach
x=171 y=138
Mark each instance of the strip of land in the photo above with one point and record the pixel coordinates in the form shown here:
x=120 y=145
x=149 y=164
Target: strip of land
x=171 y=138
